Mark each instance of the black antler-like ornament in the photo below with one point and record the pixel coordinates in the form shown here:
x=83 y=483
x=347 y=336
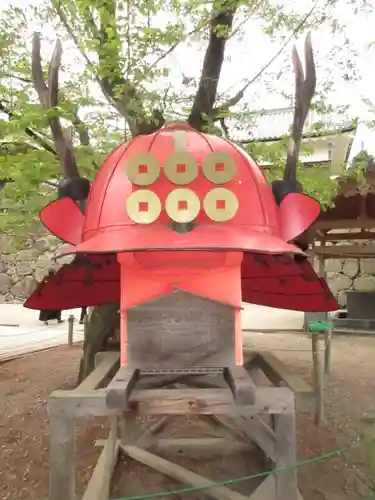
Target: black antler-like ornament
x=73 y=185
x=304 y=92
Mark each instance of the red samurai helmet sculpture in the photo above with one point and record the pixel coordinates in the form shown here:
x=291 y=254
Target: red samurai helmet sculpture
x=183 y=209
x=179 y=189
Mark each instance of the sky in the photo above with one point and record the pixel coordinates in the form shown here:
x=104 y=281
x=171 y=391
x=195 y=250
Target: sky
x=246 y=57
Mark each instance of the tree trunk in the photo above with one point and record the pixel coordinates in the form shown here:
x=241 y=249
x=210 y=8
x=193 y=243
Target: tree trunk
x=99 y=326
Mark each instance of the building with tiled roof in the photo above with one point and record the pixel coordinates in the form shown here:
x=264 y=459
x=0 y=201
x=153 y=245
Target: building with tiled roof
x=328 y=137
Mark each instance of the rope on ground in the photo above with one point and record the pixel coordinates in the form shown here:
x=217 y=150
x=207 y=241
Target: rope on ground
x=227 y=482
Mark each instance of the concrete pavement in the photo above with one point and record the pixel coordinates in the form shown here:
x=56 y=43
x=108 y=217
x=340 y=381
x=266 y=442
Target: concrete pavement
x=21 y=331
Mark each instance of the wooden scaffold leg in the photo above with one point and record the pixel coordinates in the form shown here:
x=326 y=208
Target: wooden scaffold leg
x=62 y=454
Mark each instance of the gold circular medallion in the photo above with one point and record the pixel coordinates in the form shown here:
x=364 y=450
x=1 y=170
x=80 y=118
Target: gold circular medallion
x=219 y=167
x=142 y=169
x=181 y=168
x=143 y=206
x=182 y=205
x=220 y=204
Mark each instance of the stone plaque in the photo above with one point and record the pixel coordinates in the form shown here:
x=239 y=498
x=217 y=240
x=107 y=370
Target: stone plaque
x=181 y=330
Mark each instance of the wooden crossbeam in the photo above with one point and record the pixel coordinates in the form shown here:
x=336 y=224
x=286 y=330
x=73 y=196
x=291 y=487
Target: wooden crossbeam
x=260 y=433
x=99 y=484
x=252 y=429
x=267 y=490
x=199 y=446
x=149 y=436
x=174 y=402
x=280 y=374
x=344 y=224
x=367 y=236
x=181 y=474
x=367 y=437
x=191 y=446
x=209 y=401
x=106 y=367
x=277 y=372
x=360 y=251
x=120 y=388
x=241 y=385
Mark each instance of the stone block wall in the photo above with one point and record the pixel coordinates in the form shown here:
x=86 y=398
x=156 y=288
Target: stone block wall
x=350 y=274
x=22 y=269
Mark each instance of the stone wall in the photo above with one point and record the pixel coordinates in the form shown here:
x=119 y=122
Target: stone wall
x=350 y=274
x=22 y=269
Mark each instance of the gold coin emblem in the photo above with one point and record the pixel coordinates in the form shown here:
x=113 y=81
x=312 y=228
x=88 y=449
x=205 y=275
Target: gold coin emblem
x=142 y=169
x=181 y=168
x=182 y=205
x=219 y=167
x=220 y=204
x=143 y=206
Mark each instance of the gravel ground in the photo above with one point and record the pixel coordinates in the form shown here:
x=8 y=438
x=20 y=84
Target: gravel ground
x=26 y=383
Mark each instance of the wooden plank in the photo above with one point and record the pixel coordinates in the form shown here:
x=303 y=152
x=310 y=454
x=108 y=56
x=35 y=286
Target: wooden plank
x=327 y=351
x=62 y=458
x=120 y=388
x=174 y=401
x=209 y=401
x=228 y=424
x=360 y=251
x=198 y=447
x=344 y=224
x=252 y=429
x=181 y=474
x=250 y=357
x=368 y=236
x=267 y=490
x=80 y=404
x=318 y=380
x=241 y=385
x=149 y=436
x=277 y=372
x=261 y=434
x=194 y=447
x=286 y=457
x=105 y=368
x=98 y=487
x=128 y=427
x=367 y=437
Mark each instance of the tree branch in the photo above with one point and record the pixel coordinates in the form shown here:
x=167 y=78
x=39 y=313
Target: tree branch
x=20 y=78
x=118 y=87
x=31 y=133
x=48 y=96
x=221 y=26
x=82 y=130
x=119 y=91
x=64 y=20
x=220 y=110
x=304 y=92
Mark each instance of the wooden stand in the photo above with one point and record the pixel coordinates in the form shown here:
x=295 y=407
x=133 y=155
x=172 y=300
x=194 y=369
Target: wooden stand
x=226 y=395
x=231 y=401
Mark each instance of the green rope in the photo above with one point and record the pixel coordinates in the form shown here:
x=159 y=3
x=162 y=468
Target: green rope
x=183 y=491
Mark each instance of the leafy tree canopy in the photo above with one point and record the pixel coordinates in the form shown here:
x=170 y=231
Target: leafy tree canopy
x=117 y=80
